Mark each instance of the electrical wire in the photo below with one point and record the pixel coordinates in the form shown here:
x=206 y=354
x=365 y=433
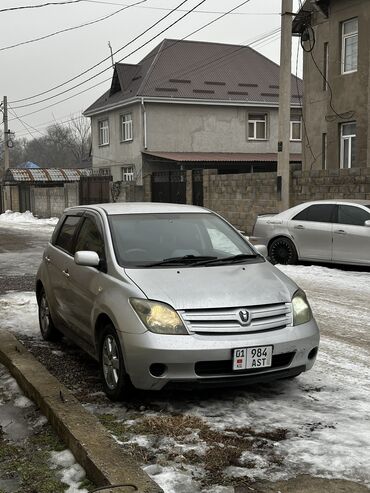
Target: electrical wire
x=24 y=124
x=104 y=60
x=48 y=4
x=90 y=23
x=260 y=40
x=303 y=118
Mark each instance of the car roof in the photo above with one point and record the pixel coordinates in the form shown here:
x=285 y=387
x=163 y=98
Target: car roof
x=337 y=201
x=117 y=208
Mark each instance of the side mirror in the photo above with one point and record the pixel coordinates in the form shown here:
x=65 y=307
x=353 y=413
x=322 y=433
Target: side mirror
x=261 y=249
x=367 y=223
x=87 y=258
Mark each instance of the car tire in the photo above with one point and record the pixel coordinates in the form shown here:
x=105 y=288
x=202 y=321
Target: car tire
x=47 y=328
x=116 y=382
x=283 y=251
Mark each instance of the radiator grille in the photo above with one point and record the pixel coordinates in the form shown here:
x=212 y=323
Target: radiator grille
x=232 y=320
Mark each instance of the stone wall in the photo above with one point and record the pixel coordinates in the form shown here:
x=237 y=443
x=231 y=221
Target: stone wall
x=51 y=201
x=330 y=184
x=241 y=197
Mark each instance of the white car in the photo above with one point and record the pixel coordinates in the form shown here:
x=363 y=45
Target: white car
x=335 y=231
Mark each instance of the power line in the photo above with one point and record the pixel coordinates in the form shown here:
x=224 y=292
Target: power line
x=183 y=10
x=48 y=4
x=100 y=19
x=23 y=123
x=262 y=39
x=99 y=63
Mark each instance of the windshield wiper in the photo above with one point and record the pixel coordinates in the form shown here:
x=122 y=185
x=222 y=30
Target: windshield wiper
x=229 y=260
x=184 y=260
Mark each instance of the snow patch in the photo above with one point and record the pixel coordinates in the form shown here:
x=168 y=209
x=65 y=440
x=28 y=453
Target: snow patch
x=18 y=313
x=23 y=402
x=71 y=473
x=25 y=220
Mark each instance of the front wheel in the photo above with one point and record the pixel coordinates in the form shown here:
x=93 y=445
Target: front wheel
x=48 y=330
x=116 y=382
x=282 y=251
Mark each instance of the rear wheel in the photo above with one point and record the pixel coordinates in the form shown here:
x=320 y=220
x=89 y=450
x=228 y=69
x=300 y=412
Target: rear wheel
x=48 y=330
x=116 y=382
x=282 y=251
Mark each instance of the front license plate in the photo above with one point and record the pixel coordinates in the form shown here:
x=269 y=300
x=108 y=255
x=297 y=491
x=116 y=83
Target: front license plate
x=252 y=357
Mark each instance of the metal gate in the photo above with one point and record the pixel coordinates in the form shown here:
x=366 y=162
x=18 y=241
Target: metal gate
x=169 y=186
x=94 y=189
x=24 y=198
x=197 y=183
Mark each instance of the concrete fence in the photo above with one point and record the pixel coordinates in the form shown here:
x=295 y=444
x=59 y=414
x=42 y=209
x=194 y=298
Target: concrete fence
x=51 y=201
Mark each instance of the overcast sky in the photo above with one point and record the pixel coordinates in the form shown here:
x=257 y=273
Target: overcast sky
x=33 y=68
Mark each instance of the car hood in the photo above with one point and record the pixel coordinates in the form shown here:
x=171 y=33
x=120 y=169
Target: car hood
x=216 y=286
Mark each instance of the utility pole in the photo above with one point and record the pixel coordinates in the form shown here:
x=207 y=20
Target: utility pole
x=283 y=169
x=6 y=134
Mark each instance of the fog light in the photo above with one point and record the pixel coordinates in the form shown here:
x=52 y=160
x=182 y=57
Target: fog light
x=158 y=369
x=313 y=353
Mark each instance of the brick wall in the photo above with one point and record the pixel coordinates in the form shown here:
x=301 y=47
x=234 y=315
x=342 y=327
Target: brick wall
x=240 y=198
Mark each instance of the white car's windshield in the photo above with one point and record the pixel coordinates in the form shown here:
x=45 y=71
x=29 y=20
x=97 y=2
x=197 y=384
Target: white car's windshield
x=144 y=240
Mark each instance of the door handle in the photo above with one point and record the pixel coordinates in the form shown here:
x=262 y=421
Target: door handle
x=48 y=259
x=340 y=232
x=65 y=273
x=299 y=226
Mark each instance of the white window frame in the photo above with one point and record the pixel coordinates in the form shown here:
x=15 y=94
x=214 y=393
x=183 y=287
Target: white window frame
x=126 y=127
x=254 y=122
x=343 y=139
x=127 y=173
x=296 y=121
x=345 y=38
x=103 y=130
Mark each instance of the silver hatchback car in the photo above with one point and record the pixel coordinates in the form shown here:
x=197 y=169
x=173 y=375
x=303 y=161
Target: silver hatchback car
x=165 y=294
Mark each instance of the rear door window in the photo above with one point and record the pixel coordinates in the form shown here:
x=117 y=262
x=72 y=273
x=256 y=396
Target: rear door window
x=350 y=214
x=65 y=238
x=323 y=213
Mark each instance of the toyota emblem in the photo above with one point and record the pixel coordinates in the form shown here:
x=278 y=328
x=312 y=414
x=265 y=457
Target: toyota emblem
x=244 y=317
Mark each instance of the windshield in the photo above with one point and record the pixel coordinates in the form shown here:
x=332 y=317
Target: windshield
x=144 y=240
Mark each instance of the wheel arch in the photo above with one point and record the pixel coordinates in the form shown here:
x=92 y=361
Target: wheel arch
x=285 y=236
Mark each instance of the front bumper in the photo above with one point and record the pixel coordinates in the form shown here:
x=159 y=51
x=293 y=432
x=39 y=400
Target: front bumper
x=181 y=355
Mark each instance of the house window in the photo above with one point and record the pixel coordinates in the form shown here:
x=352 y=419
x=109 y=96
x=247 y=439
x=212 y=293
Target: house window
x=257 y=126
x=348 y=145
x=326 y=67
x=324 y=152
x=296 y=129
x=349 y=46
x=126 y=127
x=103 y=132
x=104 y=171
x=127 y=173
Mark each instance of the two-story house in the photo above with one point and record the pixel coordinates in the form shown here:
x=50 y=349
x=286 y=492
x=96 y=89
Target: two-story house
x=191 y=104
x=336 y=39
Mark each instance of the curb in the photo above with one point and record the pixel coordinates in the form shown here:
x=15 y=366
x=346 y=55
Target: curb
x=104 y=461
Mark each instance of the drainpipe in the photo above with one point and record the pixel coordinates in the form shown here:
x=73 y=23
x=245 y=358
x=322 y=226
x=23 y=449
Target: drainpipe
x=144 y=122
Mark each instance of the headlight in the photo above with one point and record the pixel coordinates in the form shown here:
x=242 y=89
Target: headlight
x=301 y=308
x=158 y=317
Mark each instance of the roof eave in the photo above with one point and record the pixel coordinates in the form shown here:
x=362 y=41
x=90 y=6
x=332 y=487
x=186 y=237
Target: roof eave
x=209 y=102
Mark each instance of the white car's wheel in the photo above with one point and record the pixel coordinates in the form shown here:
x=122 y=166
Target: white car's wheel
x=282 y=251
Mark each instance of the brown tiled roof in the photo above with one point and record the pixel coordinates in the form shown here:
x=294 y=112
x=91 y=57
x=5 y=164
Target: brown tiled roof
x=198 y=70
x=221 y=156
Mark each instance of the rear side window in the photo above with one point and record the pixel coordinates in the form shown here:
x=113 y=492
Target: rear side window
x=321 y=213
x=349 y=214
x=66 y=234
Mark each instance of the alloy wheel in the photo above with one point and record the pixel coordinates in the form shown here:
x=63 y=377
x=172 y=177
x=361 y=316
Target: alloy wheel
x=111 y=362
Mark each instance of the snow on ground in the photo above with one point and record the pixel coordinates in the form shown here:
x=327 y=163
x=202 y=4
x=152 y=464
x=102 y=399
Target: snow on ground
x=325 y=411
x=17 y=425
x=18 y=313
x=26 y=220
